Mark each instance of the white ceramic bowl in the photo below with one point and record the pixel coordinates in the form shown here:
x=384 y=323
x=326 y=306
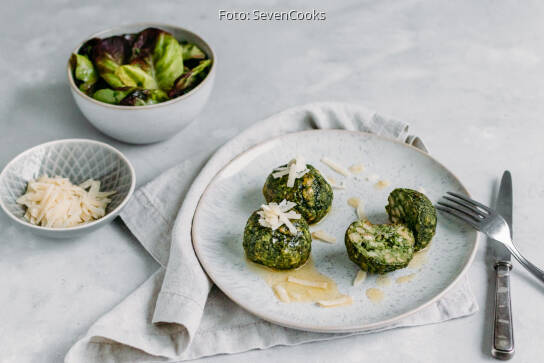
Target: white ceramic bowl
x=78 y=160
x=153 y=123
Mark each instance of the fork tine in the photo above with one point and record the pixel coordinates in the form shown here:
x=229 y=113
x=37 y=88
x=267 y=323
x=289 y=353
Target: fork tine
x=463 y=210
x=459 y=215
x=467 y=205
x=468 y=211
x=471 y=201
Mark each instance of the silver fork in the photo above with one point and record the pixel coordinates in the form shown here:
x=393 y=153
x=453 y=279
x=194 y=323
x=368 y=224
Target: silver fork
x=487 y=221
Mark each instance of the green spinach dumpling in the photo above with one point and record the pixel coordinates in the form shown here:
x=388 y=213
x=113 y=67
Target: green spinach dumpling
x=303 y=184
x=276 y=237
x=379 y=248
x=414 y=209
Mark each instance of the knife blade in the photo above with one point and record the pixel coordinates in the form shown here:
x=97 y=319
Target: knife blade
x=504 y=208
x=503 y=329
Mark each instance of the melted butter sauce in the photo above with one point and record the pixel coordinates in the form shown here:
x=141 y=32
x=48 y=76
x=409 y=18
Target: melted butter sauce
x=354 y=202
x=381 y=184
x=419 y=259
x=357 y=168
x=405 y=279
x=300 y=293
x=375 y=295
x=308 y=272
x=383 y=280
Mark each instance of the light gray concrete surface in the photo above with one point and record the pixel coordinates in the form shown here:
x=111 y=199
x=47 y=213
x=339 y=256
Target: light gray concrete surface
x=468 y=75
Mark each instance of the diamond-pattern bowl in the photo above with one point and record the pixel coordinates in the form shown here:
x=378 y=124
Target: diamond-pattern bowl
x=76 y=159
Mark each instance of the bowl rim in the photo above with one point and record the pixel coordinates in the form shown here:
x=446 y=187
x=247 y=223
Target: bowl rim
x=82 y=226
x=144 y=25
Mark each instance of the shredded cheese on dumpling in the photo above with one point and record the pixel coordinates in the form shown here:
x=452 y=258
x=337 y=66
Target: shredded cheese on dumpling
x=274 y=215
x=295 y=169
x=57 y=203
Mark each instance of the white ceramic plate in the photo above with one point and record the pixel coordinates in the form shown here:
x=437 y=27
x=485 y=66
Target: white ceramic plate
x=235 y=193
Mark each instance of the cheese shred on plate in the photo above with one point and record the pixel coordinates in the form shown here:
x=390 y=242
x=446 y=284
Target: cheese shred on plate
x=344 y=300
x=335 y=166
x=274 y=215
x=359 y=278
x=57 y=203
x=323 y=236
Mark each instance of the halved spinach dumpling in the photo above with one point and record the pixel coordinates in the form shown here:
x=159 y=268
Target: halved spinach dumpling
x=310 y=191
x=277 y=244
x=414 y=209
x=379 y=248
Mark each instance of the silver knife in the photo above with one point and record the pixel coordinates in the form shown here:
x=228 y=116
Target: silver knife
x=503 y=330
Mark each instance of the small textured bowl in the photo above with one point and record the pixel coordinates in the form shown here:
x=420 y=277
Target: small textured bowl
x=78 y=160
x=152 y=123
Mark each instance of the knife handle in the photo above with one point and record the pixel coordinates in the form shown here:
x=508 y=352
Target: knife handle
x=503 y=330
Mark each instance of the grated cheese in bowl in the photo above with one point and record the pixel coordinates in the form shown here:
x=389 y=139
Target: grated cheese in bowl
x=57 y=203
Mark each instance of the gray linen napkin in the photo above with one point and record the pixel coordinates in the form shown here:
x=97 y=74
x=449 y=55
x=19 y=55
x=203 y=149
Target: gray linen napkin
x=174 y=316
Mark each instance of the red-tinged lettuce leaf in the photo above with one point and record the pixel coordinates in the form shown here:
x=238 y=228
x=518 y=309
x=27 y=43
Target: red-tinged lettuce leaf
x=87 y=48
x=159 y=55
x=144 y=97
x=108 y=56
x=190 y=79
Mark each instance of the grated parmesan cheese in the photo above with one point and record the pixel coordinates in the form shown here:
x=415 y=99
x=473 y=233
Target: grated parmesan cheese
x=57 y=203
x=344 y=300
x=274 y=215
x=359 y=278
x=358 y=205
x=323 y=236
x=295 y=169
x=317 y=284
x=282 y=293
x=360 y=211
x=335 y=166
x=334 y=184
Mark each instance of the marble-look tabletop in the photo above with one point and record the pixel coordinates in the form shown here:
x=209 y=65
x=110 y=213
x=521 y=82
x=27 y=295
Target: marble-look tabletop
x=467 y=75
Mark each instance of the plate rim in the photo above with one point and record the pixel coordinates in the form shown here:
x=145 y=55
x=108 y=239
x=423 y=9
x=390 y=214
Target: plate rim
x=305 y=327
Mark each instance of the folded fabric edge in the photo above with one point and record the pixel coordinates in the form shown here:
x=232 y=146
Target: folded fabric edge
x=149 y=227
x=101 y=339
x=253 y=336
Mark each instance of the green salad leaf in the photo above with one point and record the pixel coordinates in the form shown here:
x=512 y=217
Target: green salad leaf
x=191 y=51
x=135 y=76
x=189 y=80
x=138 y=69
x=84 y=71
x=156 y=59
x=111 y=96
